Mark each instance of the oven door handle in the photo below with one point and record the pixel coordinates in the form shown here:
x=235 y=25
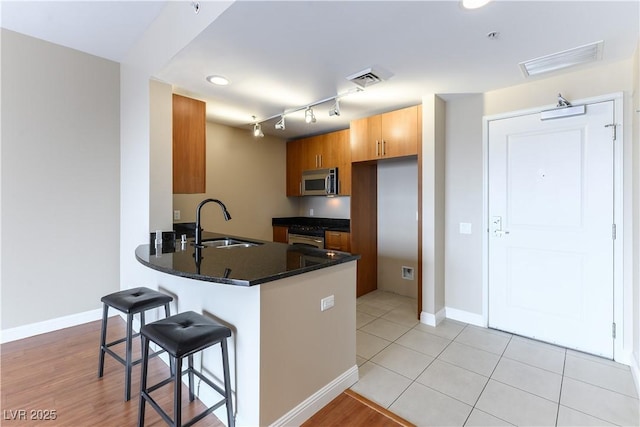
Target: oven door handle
x=299 y=239
x=311 y=239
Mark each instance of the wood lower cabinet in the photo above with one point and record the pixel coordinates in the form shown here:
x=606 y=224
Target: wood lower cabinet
x=337 y=241
x=280 y=234
x=189 y=145
x=388 y=135
x=329 y=150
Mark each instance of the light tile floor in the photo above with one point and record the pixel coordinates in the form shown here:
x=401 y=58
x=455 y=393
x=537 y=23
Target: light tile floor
x=462 y=375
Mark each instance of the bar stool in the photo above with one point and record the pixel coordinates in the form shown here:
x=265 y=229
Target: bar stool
x=183 y=335
x=130 y=301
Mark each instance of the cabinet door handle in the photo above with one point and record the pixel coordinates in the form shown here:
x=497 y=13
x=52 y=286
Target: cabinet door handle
x=377 y=148
x=384 y=145
x=320 y=156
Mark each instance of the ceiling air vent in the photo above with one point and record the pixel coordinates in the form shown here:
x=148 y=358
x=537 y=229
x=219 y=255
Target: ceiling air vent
x=369 y=77
x=557 y=61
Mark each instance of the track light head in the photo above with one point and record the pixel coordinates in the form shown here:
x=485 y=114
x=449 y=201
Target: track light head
x=257 y=131
x=280 y=125
x=335 y=110
x=309 y=117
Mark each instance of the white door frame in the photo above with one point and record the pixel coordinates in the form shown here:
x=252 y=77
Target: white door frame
x=620 y=355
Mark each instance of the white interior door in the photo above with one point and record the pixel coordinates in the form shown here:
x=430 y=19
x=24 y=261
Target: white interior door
x=550 y=200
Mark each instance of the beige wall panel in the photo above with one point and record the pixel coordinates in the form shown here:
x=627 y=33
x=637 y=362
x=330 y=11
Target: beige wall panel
x=60 y=180
x=248 y=175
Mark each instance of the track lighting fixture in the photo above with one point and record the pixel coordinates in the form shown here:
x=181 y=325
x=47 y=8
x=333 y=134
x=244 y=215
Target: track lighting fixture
x=309 y=117
x=335 y=109
x=257 y=131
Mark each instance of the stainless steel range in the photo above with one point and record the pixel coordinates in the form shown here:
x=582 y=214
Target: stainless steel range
x=309 y=235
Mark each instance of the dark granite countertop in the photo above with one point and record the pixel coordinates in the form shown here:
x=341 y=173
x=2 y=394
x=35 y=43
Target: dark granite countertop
x=240 y=266
x=330 y=224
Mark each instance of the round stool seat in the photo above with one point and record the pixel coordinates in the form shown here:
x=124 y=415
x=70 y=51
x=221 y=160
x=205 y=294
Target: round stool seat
x=185 y=333
x=136 y=300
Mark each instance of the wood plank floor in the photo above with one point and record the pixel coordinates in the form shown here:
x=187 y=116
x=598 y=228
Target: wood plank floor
x=56 y=374
x=58 y=371
x=352 y=409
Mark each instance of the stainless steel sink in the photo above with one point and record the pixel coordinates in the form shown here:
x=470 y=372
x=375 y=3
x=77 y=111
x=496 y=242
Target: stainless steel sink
x=227 y=243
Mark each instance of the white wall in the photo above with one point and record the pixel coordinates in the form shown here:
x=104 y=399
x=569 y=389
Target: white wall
x=144 y=204
x=397 y=225
x=636 y=215
x=60 y=180
x=160 y=151
x=463 y=298
x=248 y=175
x=433 y=209
x=463 y=203
x=324 y=207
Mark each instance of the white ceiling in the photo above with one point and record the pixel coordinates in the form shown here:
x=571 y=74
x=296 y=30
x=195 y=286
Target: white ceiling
x=284 y=55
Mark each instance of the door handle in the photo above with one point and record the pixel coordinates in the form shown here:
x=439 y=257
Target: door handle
x=496 y=226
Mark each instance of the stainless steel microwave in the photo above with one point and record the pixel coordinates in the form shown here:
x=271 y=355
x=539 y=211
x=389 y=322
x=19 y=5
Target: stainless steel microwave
x=320 y=182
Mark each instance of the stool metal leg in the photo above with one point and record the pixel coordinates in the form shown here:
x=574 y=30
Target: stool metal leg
x=143 y=381
x=190 y=370
x=177 y=398
x=127 y=375
x=103 y=339
x=227 y=382
x=167 y=313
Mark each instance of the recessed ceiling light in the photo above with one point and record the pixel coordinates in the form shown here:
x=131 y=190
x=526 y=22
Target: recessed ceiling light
x=474 y=4
x=218 y=80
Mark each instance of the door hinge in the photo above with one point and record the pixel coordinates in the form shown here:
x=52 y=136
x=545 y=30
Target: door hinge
x=613 y=330
x=612 y=125
x=613 y=231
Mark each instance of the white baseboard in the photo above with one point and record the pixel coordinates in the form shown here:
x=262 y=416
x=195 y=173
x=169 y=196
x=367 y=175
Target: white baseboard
x=432 y=319
x=301 y=412
x=32 y=329
x=465 y=317
x=635 y=370
x=319 y=399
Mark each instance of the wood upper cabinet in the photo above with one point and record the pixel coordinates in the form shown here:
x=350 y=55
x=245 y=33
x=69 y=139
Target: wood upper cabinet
x=294 y=167
x=316 y=153
x=319 y=152
x=388 y=135
x=340 y=155
x=189 y=145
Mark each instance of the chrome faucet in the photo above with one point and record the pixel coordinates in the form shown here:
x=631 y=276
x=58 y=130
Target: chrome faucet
x=225 y=213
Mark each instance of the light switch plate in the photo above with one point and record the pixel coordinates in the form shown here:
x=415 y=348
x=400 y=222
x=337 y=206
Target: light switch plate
x=176 y=214
x=465 y=228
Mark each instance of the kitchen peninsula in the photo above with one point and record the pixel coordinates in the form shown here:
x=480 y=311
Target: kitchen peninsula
x=291 y=351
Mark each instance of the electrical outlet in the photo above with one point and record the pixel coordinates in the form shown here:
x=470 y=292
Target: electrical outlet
x=407 y=273
x=310 y=212
x=327 y=303
x=176 y=215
